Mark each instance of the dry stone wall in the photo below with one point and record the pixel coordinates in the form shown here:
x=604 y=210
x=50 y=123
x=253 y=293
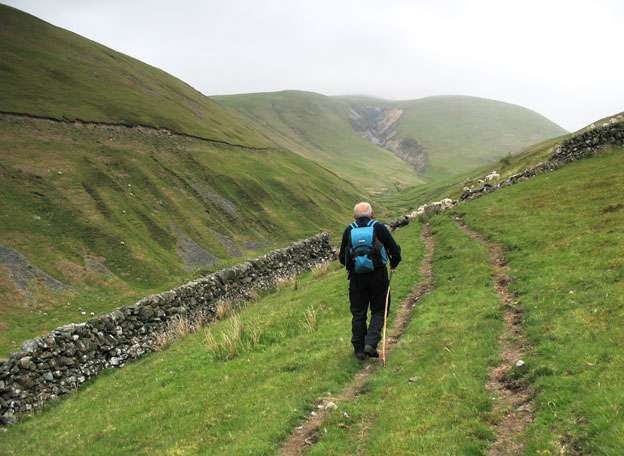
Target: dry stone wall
x=575 y=148
x=49 y=366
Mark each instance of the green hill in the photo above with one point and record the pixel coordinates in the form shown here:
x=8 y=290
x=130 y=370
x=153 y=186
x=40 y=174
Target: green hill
x=48 y=71
x=361 y=138
x=317 y=127
x=564 y=249
x=95 y=214
x=462 y=133
x=448 y=135
x=147 y=207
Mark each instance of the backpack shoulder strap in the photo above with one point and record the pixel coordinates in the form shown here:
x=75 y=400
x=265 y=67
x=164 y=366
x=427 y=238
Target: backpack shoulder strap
x=354 y=225
x=371 y=223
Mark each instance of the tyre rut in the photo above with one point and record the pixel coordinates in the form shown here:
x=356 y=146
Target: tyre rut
x=514 y=395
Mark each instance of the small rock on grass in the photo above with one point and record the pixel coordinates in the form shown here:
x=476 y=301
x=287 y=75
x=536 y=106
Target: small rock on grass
x=331 y=406
x=414 y=379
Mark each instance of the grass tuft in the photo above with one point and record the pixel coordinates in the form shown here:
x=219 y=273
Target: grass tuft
x=237 y=336
x=309 y=323
x=180 y=327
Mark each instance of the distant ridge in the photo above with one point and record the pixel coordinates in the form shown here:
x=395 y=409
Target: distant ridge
x=434 y=136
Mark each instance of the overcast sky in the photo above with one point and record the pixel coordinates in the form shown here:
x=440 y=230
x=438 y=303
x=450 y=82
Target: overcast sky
x=561 y=58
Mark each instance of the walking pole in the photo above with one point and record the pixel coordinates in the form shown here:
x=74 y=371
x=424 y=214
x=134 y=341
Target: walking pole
x=383 y=343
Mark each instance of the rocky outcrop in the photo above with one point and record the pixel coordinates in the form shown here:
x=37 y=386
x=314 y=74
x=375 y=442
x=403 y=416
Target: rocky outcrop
x=55 y=364
x=378 y=125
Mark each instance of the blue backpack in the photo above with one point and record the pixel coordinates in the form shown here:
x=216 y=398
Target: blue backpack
x=365 y=250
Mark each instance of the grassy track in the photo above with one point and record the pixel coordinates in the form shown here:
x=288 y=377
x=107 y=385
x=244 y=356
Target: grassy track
x=565 y=236
x=184 y=401
x=448 y=346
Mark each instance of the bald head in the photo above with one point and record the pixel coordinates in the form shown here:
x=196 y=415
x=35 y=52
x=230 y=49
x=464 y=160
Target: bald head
x=363 y=209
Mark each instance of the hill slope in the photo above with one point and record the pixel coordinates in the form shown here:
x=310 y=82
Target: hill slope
x=565 y=258
x=116 y=213
x=448 y=135
x=317 y=127
x=435 y=136
x=95 y=213
x=48 y=71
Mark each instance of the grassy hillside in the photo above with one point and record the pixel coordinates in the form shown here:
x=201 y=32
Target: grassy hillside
x=116 y=213
x=564 y=250
x=242 y=400
x=72 y=196
x=317 y=127
x=48 y=71
x=461 y=133
x=410 y=198
x=457 y=133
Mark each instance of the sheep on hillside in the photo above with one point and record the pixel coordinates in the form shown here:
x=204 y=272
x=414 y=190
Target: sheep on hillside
x=493 y=175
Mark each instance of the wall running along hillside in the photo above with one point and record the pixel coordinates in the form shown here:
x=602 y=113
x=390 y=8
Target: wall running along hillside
x=575 y=148
x=55 y=364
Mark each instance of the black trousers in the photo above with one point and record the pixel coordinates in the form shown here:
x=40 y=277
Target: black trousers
x=368 y=290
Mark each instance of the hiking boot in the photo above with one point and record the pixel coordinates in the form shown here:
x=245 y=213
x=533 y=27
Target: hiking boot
x=371 y=351
x=361 y=356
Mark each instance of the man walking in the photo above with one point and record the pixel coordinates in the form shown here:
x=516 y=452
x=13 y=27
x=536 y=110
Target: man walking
x=366 y=247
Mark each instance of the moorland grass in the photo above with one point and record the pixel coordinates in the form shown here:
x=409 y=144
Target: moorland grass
x=446 y=351
x=189 y=400
x=564 y=232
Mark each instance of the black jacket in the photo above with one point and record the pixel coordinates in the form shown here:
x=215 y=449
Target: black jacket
x=383 y=234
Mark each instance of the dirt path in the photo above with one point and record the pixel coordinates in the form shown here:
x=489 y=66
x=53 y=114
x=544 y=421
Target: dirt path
x=307 y=433
x=514 y=397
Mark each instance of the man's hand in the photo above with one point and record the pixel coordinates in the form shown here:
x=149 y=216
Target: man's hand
x=393 y=270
